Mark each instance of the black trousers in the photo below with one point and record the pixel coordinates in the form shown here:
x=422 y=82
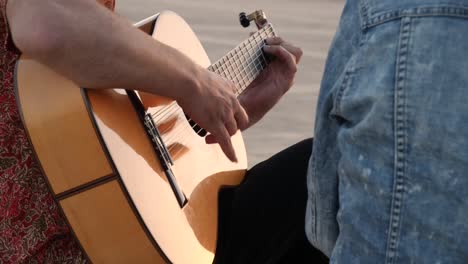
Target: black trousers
x=262 y=220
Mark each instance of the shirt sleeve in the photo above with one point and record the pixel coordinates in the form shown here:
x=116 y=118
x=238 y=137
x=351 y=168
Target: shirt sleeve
x=5 y=35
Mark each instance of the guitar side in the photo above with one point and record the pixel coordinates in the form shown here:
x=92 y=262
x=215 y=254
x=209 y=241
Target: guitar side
x=105 y=175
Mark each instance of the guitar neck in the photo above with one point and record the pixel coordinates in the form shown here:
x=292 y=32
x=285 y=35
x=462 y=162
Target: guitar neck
x=245 y=62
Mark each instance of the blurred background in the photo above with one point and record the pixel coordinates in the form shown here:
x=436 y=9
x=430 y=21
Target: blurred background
x=309 y=24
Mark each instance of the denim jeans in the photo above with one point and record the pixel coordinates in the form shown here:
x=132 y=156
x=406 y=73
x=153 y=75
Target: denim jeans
x=388 y=175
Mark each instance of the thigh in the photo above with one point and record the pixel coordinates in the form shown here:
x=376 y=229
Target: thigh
x=268 y=211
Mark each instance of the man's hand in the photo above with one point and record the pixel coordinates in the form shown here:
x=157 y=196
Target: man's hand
x=263 y=93
x=215 y=107
x=274 y=82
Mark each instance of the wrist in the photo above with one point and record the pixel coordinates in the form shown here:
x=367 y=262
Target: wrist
x=191 y=84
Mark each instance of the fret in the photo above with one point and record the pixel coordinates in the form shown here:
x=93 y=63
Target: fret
x=223 y=67
x=258 y=65
x=251 y=69
x=232 y=73
x=216 y=67
x=263 y=61
x=258 y=38
x=232 y=63
x=252 y=75
x=220 y=67
x=237 y=61
x=238 y=65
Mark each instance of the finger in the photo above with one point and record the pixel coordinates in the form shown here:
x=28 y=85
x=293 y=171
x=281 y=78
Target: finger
x=242 y=118
x=231 y=125
x=274 y=41
x=296 y=51
x=232 y=87
x=224 y=140
x=282 y=54
x=210 y=139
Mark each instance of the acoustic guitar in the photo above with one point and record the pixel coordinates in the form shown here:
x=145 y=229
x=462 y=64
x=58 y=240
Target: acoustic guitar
x=131 y=172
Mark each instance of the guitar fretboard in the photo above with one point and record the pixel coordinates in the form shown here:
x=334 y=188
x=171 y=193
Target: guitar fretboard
x=244 y=63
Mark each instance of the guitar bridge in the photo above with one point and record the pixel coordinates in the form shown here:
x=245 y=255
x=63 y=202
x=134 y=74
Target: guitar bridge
x=159 y=147
x=162 y=150
x=164 y=158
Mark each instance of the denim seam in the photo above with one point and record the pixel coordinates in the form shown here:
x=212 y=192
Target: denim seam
x=314 y=196
x=345 y=83
x=347 y=80
x=364 y=12
x=447 y=11
x=400 y=143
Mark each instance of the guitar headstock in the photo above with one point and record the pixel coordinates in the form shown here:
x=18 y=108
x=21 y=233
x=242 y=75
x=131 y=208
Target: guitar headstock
x=258 y=17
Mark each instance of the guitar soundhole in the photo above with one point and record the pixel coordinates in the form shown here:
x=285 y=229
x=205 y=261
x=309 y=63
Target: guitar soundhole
x=198 y=129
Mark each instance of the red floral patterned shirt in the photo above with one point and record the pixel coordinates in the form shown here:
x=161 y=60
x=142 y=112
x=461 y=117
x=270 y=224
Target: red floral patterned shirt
x=32 y=229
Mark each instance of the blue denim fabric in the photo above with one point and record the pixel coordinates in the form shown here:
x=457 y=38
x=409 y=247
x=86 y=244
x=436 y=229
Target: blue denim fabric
x=388 y=176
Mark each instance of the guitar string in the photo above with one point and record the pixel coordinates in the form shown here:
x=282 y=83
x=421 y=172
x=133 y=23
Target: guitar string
x=251 y=75
x=157 y=116
x=262 y=66
x=184 y=140
x=218 y=66
x=184 y=132
x=179 y=131
x=239 y=81
x=182 y=129
x=230 y=63
x=247 y=78
x=240 y=77
x=175 y=135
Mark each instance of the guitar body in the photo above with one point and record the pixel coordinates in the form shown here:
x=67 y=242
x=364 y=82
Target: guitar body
x=105 y=174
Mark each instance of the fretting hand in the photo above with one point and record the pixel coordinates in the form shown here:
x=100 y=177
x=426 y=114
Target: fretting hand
x=263 y=93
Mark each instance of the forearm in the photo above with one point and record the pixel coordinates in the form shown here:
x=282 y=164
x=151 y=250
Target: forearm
x=97 y=49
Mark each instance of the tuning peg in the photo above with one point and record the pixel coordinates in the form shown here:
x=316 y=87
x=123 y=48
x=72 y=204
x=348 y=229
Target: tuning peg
x=244 y=21
x=258 y=16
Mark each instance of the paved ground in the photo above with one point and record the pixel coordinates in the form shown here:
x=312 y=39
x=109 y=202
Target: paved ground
x=308 y=23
